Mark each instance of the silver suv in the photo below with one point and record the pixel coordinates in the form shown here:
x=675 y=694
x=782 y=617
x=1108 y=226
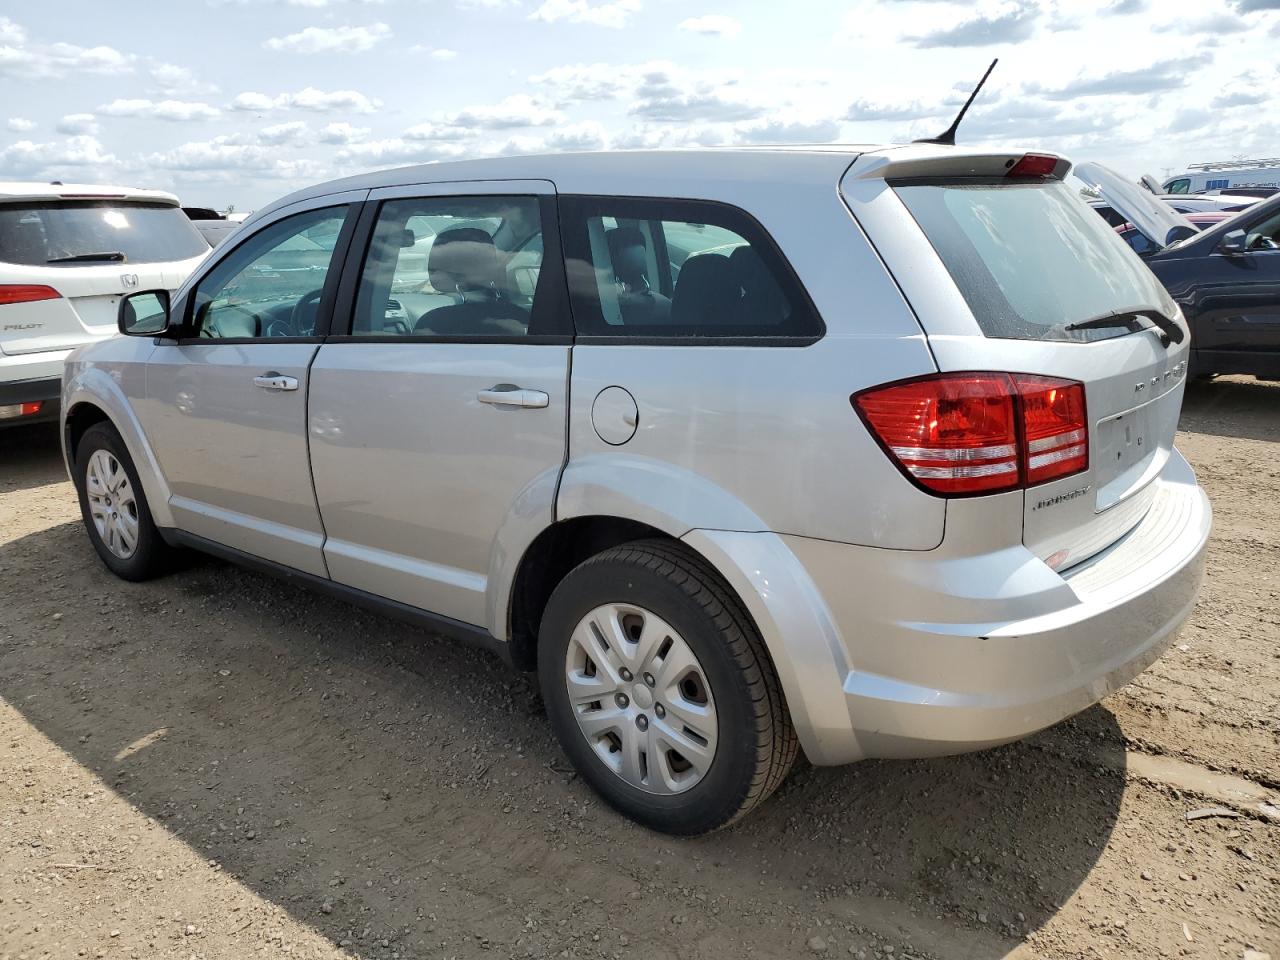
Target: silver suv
x=868 y=452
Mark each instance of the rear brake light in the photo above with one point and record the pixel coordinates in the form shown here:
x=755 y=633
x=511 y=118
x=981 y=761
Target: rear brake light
x=1034 y=165
x=974 y=433
x=26 y=293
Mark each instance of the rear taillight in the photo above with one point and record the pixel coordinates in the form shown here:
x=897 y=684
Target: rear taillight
x=1054 y=427
x=972 y=433
x=26 y=293
x=12 y=411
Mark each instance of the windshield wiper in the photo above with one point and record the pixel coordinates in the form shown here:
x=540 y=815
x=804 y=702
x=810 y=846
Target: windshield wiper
x=113 y=256
x=1170 y=331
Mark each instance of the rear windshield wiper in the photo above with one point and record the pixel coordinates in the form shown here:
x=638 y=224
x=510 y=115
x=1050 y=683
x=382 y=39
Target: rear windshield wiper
x=1169 y=328
x=113 y=256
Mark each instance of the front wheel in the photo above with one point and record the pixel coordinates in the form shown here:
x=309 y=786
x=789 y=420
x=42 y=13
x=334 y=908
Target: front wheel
x=114 y=507
x=660 y=690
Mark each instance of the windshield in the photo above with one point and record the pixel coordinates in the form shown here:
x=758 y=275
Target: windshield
x=1031 y=258
x=76 y=232
x=1156 y=218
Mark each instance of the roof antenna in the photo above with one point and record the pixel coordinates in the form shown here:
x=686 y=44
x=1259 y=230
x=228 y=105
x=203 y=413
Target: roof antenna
x=948 y=136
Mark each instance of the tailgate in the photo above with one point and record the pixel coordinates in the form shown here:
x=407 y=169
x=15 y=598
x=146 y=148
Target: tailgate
x=85 y=306
x=1001 y=271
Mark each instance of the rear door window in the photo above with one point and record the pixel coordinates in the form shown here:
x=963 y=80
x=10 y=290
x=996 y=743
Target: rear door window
x=78 y=232
x=1030 y=259
x=679 y=269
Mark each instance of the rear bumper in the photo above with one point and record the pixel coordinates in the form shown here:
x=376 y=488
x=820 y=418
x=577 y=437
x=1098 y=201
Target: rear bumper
x=944 y=651
x=45 y=390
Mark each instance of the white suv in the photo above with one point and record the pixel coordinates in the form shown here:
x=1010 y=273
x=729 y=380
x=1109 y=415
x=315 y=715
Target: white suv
x=868 y=452
x=68 y=252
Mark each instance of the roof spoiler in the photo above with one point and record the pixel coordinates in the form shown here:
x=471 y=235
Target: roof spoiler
x=917 y=162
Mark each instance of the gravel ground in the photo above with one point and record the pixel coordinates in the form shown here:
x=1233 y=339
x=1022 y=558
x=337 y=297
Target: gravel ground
x=216 y=765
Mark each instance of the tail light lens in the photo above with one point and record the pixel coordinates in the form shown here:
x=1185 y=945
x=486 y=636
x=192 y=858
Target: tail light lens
x=26 y=293
x=972 y=433
x=1054 y=425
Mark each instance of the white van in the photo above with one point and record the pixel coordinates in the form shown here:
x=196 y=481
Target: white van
x=68 y=252
x=1226 y=176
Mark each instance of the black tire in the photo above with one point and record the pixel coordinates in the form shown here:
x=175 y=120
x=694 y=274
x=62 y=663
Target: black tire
x=152 y=556
x=756 y=741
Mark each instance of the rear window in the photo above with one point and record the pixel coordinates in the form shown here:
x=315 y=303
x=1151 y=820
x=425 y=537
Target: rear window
x=1030 y=259
x=70 y=233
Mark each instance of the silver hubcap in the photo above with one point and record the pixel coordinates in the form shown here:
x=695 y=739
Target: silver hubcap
x=641 y=698
x=111 y=504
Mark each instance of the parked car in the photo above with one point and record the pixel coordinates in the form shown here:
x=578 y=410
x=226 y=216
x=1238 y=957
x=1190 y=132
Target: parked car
x=869 y=453
x=1184 y=205
x=67 y=254
x=1226 y=278
x=1228 y=175
x=1138 y=242
x=210 y=224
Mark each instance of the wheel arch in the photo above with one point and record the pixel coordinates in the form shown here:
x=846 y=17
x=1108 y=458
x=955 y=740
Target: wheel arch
x=93 y=396
x=552 y=554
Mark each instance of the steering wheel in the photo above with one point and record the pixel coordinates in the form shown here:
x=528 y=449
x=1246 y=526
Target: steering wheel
x=1263 y=242
x=303 y=317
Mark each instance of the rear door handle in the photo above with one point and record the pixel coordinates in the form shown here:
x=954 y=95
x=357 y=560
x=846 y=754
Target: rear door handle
x=508 y=395
x=271 y=380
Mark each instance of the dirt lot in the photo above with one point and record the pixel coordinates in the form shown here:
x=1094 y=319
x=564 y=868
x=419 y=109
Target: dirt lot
x=216 y=765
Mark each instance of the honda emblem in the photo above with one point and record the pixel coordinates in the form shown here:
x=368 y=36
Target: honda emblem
x=129 y=280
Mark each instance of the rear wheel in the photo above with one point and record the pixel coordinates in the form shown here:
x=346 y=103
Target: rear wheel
x=660 y=690
x=114 y=507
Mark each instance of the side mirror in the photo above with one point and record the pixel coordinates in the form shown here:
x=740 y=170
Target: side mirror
x=1233 y=244
x=144 y=314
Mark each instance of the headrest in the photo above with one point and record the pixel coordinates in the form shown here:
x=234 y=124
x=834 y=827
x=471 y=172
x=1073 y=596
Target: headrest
x=630 y=257
x=707 y=293
x=763 y=300
x=463 y=259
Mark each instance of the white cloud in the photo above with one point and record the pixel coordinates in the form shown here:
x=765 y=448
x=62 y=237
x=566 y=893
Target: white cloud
x=787 y=131
x=517 y=110
x=341 y=132
x=28 y=158
x=23 y=58
x=611 y=13
x=331 y=39
x=318 y=101
x=171 y=78
x=713 y=24
x=397 y=150
x=77 y=123
x=174 y=110
x=585 y=81
x=436 y=131
x=228 y=155
x=289 y=132
x=21 y=125
x=571 y=138
x=443 y=54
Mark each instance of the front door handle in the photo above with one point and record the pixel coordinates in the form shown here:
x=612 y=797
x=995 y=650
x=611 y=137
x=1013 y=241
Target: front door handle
x=509 y=395
x=272 y=380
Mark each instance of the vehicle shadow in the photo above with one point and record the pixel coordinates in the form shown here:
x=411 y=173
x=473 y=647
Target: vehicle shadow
x=1232 y=407
x=30 y=456
x=379 y=783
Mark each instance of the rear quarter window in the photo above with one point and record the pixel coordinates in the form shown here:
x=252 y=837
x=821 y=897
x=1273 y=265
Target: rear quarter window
x=680 y=270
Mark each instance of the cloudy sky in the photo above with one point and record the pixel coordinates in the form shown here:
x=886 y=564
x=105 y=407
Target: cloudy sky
x=240 y=101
